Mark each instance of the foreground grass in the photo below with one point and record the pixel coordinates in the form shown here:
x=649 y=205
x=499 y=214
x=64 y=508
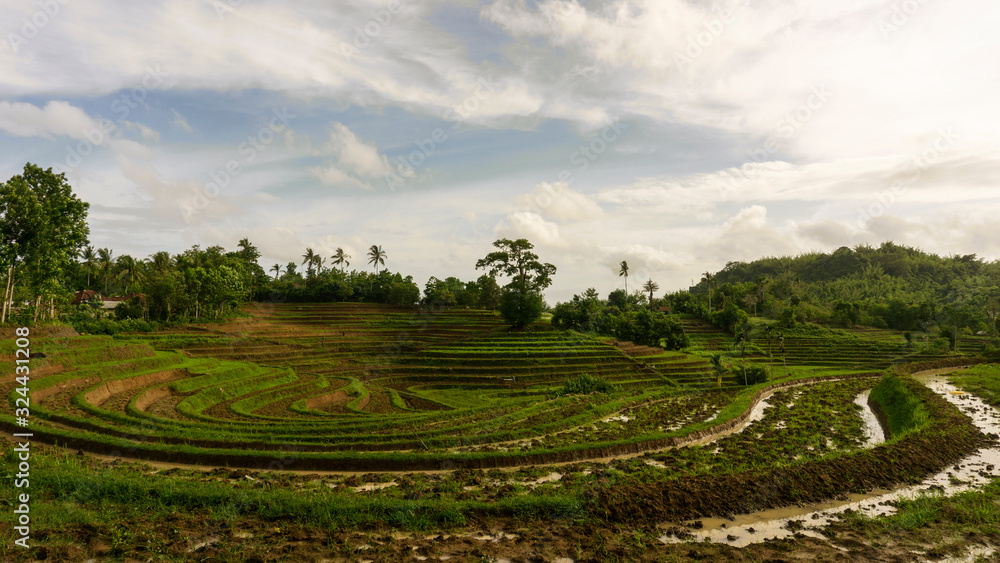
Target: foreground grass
x=982 y=380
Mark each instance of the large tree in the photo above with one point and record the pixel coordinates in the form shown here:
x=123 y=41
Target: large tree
x=43 y=227
x=521 y=300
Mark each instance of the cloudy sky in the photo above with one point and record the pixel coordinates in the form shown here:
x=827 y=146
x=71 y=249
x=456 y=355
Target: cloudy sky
x=674 y=134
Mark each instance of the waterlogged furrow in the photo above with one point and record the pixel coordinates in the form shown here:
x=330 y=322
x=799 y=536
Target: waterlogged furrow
x=971 y=472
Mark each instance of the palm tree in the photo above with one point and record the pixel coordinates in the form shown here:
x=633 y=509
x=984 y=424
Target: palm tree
x=708 y=277
x=129 y=271
x=742 y=339
x=310 y=259
x=623 y=271
x=161 y=261
x=651 y=286
x=376 y=256
x=105 y=264
x=720 y=369
x=340 y=258
x=89 y=261
x=318 y=260
x=276 y=269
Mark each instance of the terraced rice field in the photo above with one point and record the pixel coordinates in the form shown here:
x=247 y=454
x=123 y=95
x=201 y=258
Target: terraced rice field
x=433 y=419
x=369 y=387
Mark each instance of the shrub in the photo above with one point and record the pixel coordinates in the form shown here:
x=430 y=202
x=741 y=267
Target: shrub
x=521 y=309
x=751 y=375
x=730 y=319
x=585 y=384
x=903 y=410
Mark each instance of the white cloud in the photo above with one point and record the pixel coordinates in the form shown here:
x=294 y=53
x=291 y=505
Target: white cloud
x=180 y=121
x=56 y=118
x=530 y=225
x=558 y=201
x=356 y=163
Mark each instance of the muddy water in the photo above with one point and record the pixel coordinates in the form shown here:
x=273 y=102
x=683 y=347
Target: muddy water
x=874 y=434
x=971 y=472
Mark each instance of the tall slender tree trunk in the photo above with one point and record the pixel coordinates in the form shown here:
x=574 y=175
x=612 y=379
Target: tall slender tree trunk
x=52 y=307
x=8 y=291
x=38 y=308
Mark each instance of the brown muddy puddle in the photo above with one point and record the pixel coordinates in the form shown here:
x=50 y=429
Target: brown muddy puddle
x=971 y=472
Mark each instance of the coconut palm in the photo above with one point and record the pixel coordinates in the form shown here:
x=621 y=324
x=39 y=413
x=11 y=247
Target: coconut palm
x=105 y=265
x=708 y=277
x=651 y=286
x=129 y=271
x=376 y=256
x=720 y=369
x=277 y=270
x=340 y=258
x=161 y=261
x=89 y=258
x=309 y=258
x=318 y=260
x=623 y=271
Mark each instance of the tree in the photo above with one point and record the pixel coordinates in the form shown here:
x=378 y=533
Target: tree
x=248 y=252
x=623 y=271
x=521 y=300
x=161 y=261
x=309 y=258
x=129 y=271
x=651 y=286
x=489 y=292
x=105 y=265
x=376 y=256
x=89 y=258
x=277 y=270
x=720 y=369
x=742 y=339
x=43 y=227
x=708 y=277
x=340 y=259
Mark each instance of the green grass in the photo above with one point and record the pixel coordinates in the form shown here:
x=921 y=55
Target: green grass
x=905 y=413
x=983 y=380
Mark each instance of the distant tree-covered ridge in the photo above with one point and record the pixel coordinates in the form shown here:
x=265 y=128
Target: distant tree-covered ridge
x=888 y=286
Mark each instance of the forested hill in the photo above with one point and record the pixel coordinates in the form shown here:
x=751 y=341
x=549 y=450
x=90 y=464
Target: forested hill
x=891 y=259
x=889 y=286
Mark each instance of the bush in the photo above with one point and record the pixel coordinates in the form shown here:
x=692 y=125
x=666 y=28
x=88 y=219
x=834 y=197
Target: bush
x=730 y=319
x=903 y=410
x=585 y=384
x=754 y=374
x=110 y=327
x=521 y=309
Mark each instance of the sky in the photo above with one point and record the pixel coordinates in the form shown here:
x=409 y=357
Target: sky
x=677 y=135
